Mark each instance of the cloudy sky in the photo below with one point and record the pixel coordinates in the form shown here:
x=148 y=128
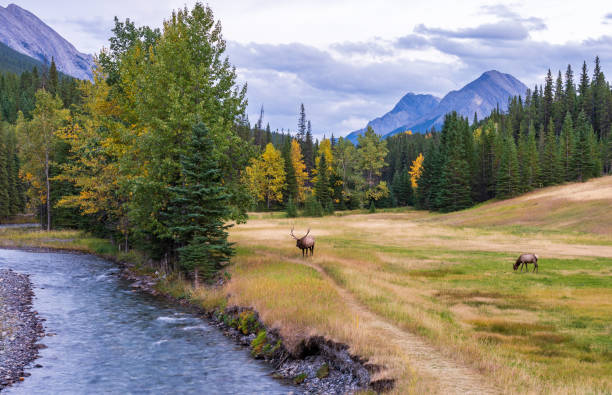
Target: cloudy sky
x=351 y=61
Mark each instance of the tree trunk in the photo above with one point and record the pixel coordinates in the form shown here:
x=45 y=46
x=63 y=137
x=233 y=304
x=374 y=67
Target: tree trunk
x=48 y=191
x=195 y=278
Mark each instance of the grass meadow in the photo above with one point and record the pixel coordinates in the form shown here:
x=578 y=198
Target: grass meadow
x=432 y=298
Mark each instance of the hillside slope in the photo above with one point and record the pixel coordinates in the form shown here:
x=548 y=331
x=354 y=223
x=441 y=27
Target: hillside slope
x=26 y=33
x=15 y=62
x=579 y=207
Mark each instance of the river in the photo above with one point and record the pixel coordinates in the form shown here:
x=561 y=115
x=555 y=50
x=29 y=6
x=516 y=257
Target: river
x=106 y=338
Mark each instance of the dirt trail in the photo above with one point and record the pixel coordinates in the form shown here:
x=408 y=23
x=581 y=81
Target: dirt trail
x=450 y=376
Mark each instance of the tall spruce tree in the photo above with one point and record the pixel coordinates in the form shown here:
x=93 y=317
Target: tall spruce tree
x=570 y=92
x=291 y=188
x=508 y=171
x=301 y=129
x=198 y=209
x=567 y=146
x=454 y=188
x=5 y=203
x=322 y=187
x=309 y=149
x=584 y=88
x=549 y=159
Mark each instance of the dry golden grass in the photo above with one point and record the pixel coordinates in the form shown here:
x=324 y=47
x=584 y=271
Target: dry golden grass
x=402 y=287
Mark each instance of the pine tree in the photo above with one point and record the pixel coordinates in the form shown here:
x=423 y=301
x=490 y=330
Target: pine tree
x=301 y=130
x=5 y=204
x=322 y=187
x=291 y=187
x=570 y=92
x=549 y=160
x=532 y=170
x=548 y=99
x=600 y=92
x=508 y=171
x=291 y=209
x=53 y=78
x=454 y=188
x=584 y=88
x=567 y=146
x=308 y=150
x=559 y=108
x=585 y=161
x=198 y=209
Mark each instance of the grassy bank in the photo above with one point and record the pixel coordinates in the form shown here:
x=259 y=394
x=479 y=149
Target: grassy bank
x=433 y=298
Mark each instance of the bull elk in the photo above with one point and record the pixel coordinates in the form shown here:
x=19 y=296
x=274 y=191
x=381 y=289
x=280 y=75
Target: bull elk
x=524 y=260
x=305 y=243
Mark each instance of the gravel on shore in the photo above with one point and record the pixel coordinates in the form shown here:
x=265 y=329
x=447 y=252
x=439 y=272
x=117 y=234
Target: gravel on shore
x=20 y=327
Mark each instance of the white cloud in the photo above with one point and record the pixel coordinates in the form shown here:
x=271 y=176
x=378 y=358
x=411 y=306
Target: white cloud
x=349 y=61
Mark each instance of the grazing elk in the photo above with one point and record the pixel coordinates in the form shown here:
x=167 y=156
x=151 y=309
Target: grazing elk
x=305 y=243
x=525 y=260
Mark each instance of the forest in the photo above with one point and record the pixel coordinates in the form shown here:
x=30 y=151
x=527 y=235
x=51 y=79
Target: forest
x=158 y=155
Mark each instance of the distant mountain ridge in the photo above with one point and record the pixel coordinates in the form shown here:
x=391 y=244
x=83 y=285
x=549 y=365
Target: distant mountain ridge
x=25 y=33
x=408 y=110
x=480 y=96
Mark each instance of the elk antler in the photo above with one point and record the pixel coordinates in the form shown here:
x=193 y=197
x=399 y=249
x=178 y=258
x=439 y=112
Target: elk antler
x=306 y=233
x=292 y=235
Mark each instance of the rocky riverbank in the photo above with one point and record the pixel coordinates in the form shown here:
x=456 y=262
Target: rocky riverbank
x=316 y=366
x=20 y=327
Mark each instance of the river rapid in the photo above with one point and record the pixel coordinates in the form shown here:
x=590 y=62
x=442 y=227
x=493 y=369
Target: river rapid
x=103 y=337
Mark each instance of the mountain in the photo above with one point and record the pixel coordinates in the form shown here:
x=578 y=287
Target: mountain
x=408 y=110
x=480 y=96
x=15 y=62
x=25 y=33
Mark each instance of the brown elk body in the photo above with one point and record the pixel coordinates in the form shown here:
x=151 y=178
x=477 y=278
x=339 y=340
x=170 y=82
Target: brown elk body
x=304 y=243
x=524 y=260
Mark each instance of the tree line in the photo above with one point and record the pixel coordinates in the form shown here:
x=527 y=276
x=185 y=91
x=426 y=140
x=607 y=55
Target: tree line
x=157 y=153
x=557 y=133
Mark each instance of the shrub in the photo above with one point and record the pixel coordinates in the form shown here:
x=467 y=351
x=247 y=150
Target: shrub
x=312 y=207
x=323 y=371
x=291 y=209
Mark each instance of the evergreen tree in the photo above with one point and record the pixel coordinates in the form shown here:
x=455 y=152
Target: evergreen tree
x=532 y=170
x=291 y=209
x=559 y=103
x=454 y=188
x=570 y=92
x=198 y=209
x=308 y=150
x=584 y=88
x=508 y=171
x=291 y=186
x=53 y=78
x=567 y=146
x=483 y=187
x=547 y=102
x=301 y=129
x=586 y=161
x=322 y=187
x=5 y=204
x=601 y=93
x=549 y=160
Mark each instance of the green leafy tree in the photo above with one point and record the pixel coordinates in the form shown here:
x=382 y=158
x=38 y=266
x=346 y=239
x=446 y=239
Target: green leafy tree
x=371 y=153
x=38 y=138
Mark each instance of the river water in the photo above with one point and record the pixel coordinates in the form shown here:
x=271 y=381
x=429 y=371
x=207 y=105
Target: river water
x=109 y=339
